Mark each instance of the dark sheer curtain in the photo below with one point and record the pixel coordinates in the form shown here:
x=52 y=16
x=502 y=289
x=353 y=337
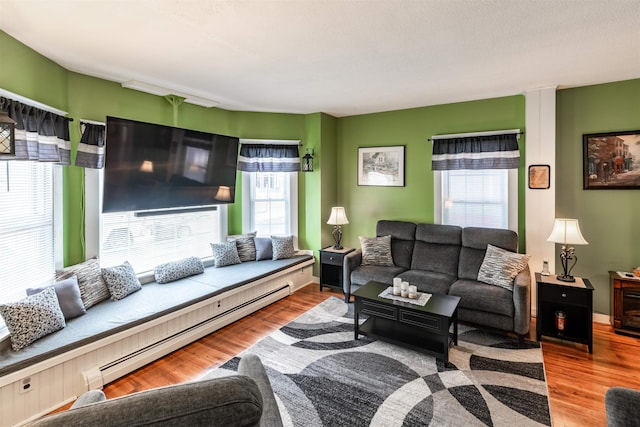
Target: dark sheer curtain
x=91 y=148
x=476 y=152
x=268 y=158
x=40 y=135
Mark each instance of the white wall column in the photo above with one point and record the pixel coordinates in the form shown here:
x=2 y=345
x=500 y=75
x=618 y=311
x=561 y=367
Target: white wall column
x=540 y=118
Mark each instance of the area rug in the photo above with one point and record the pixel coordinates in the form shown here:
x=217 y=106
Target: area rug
x=323 y=377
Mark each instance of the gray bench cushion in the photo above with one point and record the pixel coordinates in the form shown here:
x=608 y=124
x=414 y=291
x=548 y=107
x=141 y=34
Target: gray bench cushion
x=152 y=301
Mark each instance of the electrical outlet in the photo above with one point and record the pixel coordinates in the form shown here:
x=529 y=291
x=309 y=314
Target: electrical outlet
x=24 y=386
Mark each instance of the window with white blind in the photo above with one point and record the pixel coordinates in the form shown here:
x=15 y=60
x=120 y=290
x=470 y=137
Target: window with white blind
x=148 y=240
x=270 y=203
x=478 y=198
x=26 y=228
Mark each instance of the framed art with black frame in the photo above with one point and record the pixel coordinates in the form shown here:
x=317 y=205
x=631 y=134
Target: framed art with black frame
x=539 y=177
x=381 y=166
x=611 y=160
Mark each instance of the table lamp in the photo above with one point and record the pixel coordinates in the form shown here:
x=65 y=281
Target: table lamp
x=566 y=231
x=337 y=219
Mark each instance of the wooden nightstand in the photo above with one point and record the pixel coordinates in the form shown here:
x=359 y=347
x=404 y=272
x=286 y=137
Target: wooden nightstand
x=575 y=300
x=331 y=267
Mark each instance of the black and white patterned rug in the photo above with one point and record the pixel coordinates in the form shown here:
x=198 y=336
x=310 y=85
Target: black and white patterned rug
x=323 y=377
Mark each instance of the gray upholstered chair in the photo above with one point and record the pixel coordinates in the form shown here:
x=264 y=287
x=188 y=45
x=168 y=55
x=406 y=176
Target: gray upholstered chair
x=245 y=399
x=623 y=407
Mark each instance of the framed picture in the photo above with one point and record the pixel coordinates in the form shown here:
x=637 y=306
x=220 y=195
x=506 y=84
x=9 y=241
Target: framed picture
x=539 y=177
x=381 y=166
x=611 y=160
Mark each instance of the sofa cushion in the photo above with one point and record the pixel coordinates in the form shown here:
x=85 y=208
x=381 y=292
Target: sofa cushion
x=474 y=246
x=403 y=236
x=500 y=267
x=480 y=296
x=367 y=273
x=69 y=298
x=428 y=281
x=174 y=270
x=93 y=289
x=437 y=248
x=32 y=317
x=376 y=251
x=225 y=253
x=121 y=280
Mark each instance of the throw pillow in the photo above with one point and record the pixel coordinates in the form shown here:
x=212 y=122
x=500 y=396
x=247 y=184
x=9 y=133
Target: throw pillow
x=69 y=298
x=32 y=317
x=90 y=281
x=500 y=267
x=121 y=280
x=264 y=248
x=376 y=251
x=282 y=247
x=225 y=253
x=246 y=246
x=174 y=270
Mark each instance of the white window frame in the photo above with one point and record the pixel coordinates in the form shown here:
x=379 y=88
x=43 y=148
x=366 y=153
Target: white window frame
x=512 y=184
x=94 y=184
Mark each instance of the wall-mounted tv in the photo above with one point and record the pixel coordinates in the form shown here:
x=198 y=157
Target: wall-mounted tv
x=150 y=167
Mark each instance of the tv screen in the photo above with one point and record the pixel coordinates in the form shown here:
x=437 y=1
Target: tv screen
x=150 y=166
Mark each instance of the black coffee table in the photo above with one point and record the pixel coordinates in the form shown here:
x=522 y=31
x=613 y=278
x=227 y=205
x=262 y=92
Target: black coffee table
x=421 y=328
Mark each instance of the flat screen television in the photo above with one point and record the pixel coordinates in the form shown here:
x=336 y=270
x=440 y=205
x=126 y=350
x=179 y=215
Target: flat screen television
x=150 y=167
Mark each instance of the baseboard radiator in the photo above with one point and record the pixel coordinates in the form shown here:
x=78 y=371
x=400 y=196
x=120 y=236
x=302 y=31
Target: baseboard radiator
x=45 y=386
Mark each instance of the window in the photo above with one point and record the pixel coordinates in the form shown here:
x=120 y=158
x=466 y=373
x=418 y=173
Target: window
x=27 y=228
x=478 y=198
x=148 y=240
x=270 y=203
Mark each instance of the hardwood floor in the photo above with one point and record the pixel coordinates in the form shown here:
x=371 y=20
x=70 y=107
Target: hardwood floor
x=576 y=379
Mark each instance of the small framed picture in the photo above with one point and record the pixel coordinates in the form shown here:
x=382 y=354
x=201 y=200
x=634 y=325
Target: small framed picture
x=381 y=166
x=539 y=177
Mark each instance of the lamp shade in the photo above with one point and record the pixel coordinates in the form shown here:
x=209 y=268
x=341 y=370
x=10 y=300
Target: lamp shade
x=567 y=232
x=224 y=193
x=338 y=216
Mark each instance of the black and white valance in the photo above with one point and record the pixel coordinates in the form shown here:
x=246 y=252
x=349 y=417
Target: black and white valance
x=91 y=147
x=40 y=135
x=269 y=158
x=497 y=151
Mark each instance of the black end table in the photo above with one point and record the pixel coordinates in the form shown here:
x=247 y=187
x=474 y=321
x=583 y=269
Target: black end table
x=331 y=268
x=574 y=300
x=421 y=328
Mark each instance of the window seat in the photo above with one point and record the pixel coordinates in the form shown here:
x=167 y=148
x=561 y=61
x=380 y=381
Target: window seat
x=112 y=331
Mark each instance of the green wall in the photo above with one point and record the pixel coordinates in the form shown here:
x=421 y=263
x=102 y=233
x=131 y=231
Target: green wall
x=413 y=128
x=608 y=218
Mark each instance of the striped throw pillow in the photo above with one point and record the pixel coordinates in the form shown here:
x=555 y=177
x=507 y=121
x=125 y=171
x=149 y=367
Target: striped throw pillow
x=376 y=251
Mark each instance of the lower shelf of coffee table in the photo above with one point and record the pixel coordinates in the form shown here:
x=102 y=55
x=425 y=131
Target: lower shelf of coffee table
x=417 y=339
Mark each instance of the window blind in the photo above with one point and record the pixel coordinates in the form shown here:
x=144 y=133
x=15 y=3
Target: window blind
x=26 y=227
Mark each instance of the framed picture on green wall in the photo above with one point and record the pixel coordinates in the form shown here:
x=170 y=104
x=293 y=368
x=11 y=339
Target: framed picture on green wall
x=611 y=160
x=381 y=166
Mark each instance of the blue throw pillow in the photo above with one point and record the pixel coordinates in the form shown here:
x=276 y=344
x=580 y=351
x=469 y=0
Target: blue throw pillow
x=68 y=293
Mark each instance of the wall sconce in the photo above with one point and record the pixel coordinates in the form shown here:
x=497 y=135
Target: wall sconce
x=307 y=161
x=566 y=231
x=7 y=135
x=337 y=218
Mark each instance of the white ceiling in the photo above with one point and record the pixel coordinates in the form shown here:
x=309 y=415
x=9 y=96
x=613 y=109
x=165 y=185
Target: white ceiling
x=342 y=57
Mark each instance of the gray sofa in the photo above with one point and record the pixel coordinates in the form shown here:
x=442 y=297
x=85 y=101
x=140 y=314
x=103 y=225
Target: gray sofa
x=245 y=399
x=446 y=259
x=623 y=407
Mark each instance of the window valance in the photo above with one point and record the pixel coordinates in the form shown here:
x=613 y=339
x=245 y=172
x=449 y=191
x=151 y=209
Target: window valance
x=269 y=158
x=40 y=135
x=496 y=151
x=90 y=152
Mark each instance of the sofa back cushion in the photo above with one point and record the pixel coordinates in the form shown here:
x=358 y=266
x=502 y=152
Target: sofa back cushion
x=403 y=235
x=474 y=247
x=437 y=248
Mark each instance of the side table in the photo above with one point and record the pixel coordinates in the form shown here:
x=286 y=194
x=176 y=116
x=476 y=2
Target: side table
x=574 y=300
x=331 y=269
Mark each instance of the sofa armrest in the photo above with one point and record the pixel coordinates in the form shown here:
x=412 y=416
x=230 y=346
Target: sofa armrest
x=351 y=261
x=91 y=396
x=522 y=302
x=251 y=366
x=622 y=406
